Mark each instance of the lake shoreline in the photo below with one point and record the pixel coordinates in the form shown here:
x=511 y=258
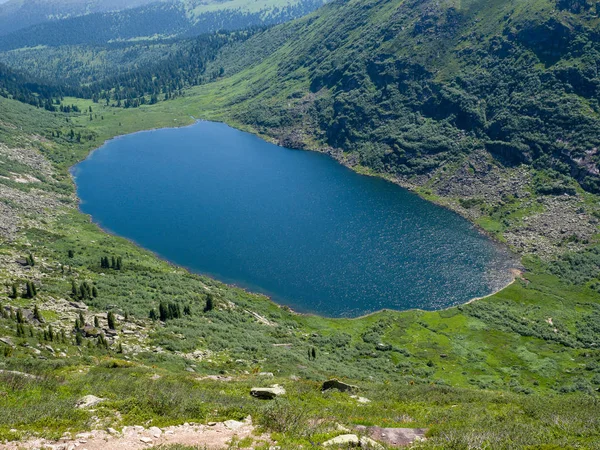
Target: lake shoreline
x=72 y=171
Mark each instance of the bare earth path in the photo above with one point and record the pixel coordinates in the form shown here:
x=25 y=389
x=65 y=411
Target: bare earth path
x=213 y=436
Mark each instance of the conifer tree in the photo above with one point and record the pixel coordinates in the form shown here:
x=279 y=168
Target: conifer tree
x=94 y=291
x=81 y=320
x=78 y=338
x=153 y=314
x=20 y=318
x=163 y=312
x=37 y=315
x=74 y=290
x=50 y=333
x=96 y=322
x=210 y=303
x=14 y=291
x=111 y=320
x=71 y=253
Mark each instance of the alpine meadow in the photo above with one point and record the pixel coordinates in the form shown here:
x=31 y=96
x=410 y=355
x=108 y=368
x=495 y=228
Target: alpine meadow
x=487 y=110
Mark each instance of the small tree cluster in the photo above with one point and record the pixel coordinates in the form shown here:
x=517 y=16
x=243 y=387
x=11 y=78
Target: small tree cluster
x=30 y=290
x=84 y=291
x=166 y=311
x=80 y=322
x=111 y=263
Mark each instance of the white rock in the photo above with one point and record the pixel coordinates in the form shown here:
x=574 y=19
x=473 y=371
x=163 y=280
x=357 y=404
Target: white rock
x=233 y=424
x=156 y=432
x=343 y=439
x=89 y=401
x=146 y=440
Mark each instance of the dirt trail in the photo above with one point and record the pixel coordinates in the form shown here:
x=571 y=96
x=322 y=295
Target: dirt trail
x=212 y=437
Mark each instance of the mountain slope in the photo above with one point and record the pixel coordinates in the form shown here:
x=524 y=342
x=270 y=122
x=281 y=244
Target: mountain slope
x=18 y=14
x=163 y=19
x=483 y=105
x=406 y=86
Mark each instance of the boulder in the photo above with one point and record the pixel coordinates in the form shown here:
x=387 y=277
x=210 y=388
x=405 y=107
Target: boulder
x=267 y=393
x=394 y=437
x=339 y=385
x=352 y=440
x=88 y=401
x=347 y=440
x=233 y=424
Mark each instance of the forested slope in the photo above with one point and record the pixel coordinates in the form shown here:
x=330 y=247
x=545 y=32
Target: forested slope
x=408 y=87
x=157 y=20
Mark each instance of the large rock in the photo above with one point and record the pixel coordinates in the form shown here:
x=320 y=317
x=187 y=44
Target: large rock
x=347 y=440
x=352 y=440
x=88 y=401
x=267 y=393
x=395 y=437
x=339 y=385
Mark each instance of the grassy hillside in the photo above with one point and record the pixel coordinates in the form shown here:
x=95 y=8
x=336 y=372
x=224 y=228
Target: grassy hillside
x=412 y=91
x=522 y=363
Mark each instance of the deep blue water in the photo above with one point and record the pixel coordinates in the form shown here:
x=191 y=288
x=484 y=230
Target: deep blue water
x=292 y=224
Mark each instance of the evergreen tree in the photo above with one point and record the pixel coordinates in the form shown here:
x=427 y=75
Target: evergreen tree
x=37 y=315
x=14 y=293
x=210 y=303
x=81 y=320
x=50 y=333
x=163 y=312
x=111 y=320
x=78 y=338
x=30 y=290
x=153 y=314
x=113 y=262
x=120 y=348
x=30 y=260
x=96 y=322
x=94 y=291
x=20 y=318
x=187 y=310
x=20 y=330
x=71 y=253
x=314 y=354
x=119 y=263
x=74 y=290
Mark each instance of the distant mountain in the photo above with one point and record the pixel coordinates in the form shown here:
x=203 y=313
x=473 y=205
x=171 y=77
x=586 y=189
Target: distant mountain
x=157 y=20
x=19 y=14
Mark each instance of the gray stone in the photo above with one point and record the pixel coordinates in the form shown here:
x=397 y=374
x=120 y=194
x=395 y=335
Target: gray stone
x=267 y=393
x=347 y=440
x=339 y=385
x=233 y=424
x=88 y=401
